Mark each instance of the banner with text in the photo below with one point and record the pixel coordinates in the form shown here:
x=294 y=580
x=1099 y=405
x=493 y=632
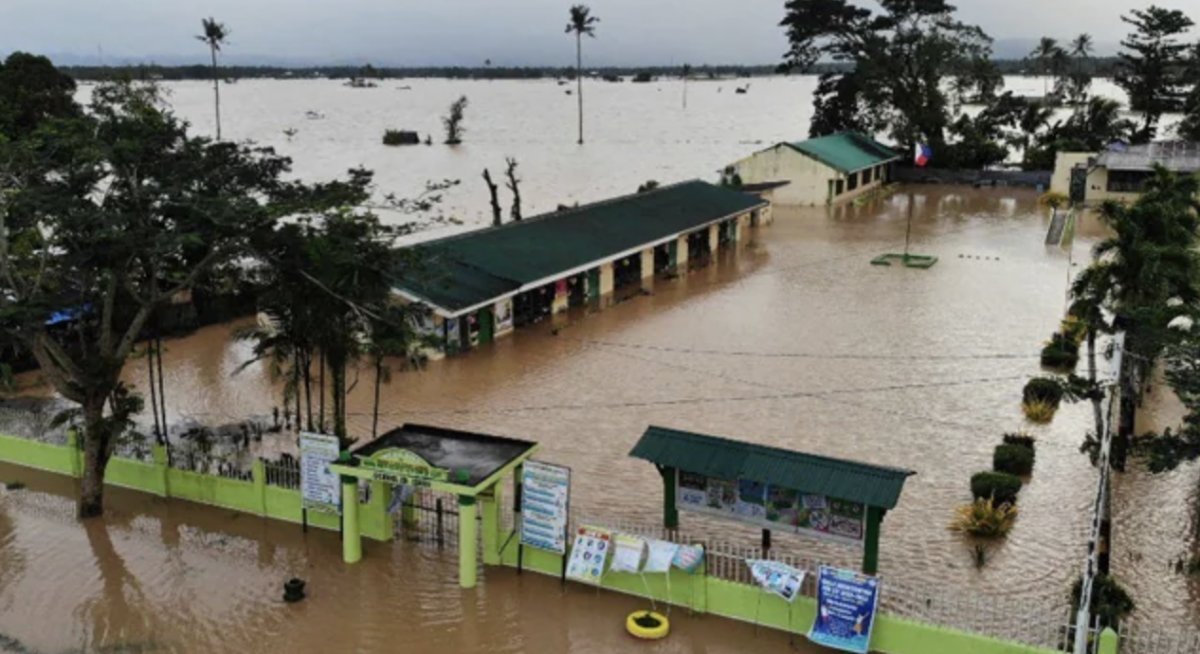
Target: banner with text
x=545 y=504
x=320 y=488
x=846 y=604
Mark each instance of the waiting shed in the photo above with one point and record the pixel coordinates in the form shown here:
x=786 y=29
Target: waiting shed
x=777 y=489
x=466 y=464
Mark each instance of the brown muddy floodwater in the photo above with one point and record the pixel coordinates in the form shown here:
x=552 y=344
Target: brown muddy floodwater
x=795 y=341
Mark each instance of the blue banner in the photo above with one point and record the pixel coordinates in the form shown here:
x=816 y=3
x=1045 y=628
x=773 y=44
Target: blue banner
x=846 y=603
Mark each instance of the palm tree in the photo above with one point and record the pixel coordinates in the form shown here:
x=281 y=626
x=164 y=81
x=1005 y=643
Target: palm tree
x=395 y=333
x=1081 y=47
x=1044 y=54
x=582 y=22
x=214 y=35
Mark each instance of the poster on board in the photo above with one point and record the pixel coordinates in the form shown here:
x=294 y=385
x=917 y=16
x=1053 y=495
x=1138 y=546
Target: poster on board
x=589 y=554
x=320 y=488
x=846 y=604
x=545 y=504
x=628 y=551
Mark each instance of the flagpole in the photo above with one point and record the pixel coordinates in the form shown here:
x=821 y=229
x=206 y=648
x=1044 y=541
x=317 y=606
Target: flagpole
x=908 y=227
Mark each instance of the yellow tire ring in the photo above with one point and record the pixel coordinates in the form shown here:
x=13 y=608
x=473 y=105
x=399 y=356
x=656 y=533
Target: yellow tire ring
x=660 y=630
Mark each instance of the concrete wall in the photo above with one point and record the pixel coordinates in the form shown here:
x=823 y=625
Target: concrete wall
x=1097 y=189
x=809 y=179
x=1060 y=179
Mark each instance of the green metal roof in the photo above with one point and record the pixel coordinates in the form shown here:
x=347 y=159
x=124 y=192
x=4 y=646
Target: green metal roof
x=846 y=151
x=469 y=269
x=723 y=458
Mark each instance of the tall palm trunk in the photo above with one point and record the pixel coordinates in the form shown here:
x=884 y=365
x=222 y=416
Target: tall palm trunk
x=321 y=398
x=308 y=388
x=375 y=409
x=216 y=90
x=579 y=80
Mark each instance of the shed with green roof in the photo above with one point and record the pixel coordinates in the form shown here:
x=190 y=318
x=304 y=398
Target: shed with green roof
x=777 y=489
x=824 y=170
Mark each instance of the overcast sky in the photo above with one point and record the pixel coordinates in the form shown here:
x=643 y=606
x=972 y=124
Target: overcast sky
x=465 y=32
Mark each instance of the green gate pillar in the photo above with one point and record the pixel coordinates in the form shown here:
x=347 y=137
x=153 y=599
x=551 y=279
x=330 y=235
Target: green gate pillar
x=490 y=523
x=670 y=512
x=1109 y=642
x=351 y=538
x=466 y=541
x=870 y=564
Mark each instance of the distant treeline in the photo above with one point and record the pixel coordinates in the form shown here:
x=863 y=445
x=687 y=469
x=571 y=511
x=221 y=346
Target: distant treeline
x=1099 y=67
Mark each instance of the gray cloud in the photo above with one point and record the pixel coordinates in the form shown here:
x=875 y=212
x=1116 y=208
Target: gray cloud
x=465 y=32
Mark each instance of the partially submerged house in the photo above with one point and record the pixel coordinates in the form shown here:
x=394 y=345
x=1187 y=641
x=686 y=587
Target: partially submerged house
x=483 y=283
x=825 y=170
x=1120 y=172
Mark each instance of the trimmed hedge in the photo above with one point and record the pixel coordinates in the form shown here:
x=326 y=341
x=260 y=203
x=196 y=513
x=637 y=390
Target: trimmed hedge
x=1043 y=389
x=1013 y=459
x=1061 y=353
x=1000 y=486
x=1023 y=440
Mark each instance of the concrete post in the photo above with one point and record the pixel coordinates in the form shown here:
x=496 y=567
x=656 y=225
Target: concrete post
x=158 y=454
x=466 y=541
x=258 y=473
x=351 y=538
x=378 y=506
x=870 y=564
x=647 y=263
x=606 y=279
x=670 y=512
x=714 y=238
x=681 y=254
x=490 y=514
x=1109 y=642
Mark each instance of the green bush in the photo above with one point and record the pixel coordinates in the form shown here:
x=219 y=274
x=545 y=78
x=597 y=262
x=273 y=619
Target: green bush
x=1002 y=487
x=1022 y=439
x=1043 y=389
x=1013 y=459
x=1110 y=602
x=400 y=137
x=1061 y=353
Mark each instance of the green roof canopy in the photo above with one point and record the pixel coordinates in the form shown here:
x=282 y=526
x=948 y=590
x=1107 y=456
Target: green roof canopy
x=873 y=485
x=846 y=151
x=470 y=269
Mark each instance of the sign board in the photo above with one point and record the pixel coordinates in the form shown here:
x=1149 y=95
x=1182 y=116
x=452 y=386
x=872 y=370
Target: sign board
x=776 y=577
x=545 y=505
x=772 y=507
x=320 y=487
x=628 y=552
x=846 y=604
x=399 y=466
x=589 y=554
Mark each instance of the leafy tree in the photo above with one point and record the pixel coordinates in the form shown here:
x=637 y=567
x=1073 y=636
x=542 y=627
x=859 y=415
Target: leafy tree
x=1151 y=65
x=1091 y=127
x=32 y=90
x=900 y=57
x=581 y=22
x=215 y=35
x=396 y=333
x=453 y=121
x=107 y=216
x=1189 y=129
x=1048 y=57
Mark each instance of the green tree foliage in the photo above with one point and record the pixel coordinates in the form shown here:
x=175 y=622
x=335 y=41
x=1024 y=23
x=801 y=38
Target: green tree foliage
x=1189 y=129
x=106 y=216
x=215 y=35
x=1151 y=65
x=900 y=57
x=453 y=121
x=581 y=23
x=32 y=90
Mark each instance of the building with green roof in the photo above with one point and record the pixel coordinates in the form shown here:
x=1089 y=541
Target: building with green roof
x=824 y=170
x=484 y=282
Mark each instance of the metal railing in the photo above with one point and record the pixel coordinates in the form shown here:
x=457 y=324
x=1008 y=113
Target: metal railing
x=1146 y=639
x=283 y=473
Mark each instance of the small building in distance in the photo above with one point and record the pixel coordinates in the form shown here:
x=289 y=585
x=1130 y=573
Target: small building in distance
x=825 y=170
x=482 y=284
x=1120 y=172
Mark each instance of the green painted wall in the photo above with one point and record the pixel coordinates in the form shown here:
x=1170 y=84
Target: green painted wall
x=51 y=458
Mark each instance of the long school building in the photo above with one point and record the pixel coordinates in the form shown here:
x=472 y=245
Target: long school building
x=483 y=284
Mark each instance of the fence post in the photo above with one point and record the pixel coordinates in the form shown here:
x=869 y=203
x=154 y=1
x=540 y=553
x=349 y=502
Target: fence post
x=75 y=452
x=258 y=474
x=379 y=518
x=1108 y=641
x=466 y=540
x=158 y=455
x=490 y=512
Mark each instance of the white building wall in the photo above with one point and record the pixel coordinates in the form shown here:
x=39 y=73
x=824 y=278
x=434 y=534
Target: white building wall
x=809 y=178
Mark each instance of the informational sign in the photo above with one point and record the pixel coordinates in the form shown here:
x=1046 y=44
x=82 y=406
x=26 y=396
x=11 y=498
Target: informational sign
x=400 y=466
x=772 y=507
x=661 y=553
x=545 y=504
x=628 y=551
x=846 y=604
x=776 y=577
x=688 y=558
x=504 y=315
x=589 y=554
x=320 y=488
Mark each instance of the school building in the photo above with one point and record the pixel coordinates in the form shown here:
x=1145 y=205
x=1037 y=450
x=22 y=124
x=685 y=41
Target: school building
x=825 y=170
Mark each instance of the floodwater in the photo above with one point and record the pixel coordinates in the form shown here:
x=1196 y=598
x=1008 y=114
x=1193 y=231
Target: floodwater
x=794 y=340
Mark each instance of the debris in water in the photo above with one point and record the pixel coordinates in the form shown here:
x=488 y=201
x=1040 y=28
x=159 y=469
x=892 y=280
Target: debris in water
x=293 y=590
x=14 y=485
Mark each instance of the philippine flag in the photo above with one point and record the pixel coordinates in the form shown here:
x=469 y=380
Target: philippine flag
x=921 y=154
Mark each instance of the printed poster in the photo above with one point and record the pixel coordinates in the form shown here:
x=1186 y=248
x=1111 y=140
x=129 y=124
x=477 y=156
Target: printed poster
x=661 y=553
x=693 y=490
x=627 y=553
x=846 y=604
x=589 y=554
x=688 y=558
x=545 y=502
x=751 y=500
x=775 y=577
x=320 y=488
x=504 y=315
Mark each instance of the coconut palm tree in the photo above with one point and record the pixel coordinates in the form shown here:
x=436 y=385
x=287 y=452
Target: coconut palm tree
x=582 y=22
x=215 y=35
x=1044 y=55
x=395 y=333
x=1081 y=46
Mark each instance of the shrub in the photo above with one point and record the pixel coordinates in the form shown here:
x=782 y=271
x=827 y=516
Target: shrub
x=1013 y=459
x=400 y=137
x=998 y=486
x=1061 y=353
x=1110 y=602
x=983 y=518
x=1022 y=439
x=1038 y=412
x=1043 y=389
x=1074 y=329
